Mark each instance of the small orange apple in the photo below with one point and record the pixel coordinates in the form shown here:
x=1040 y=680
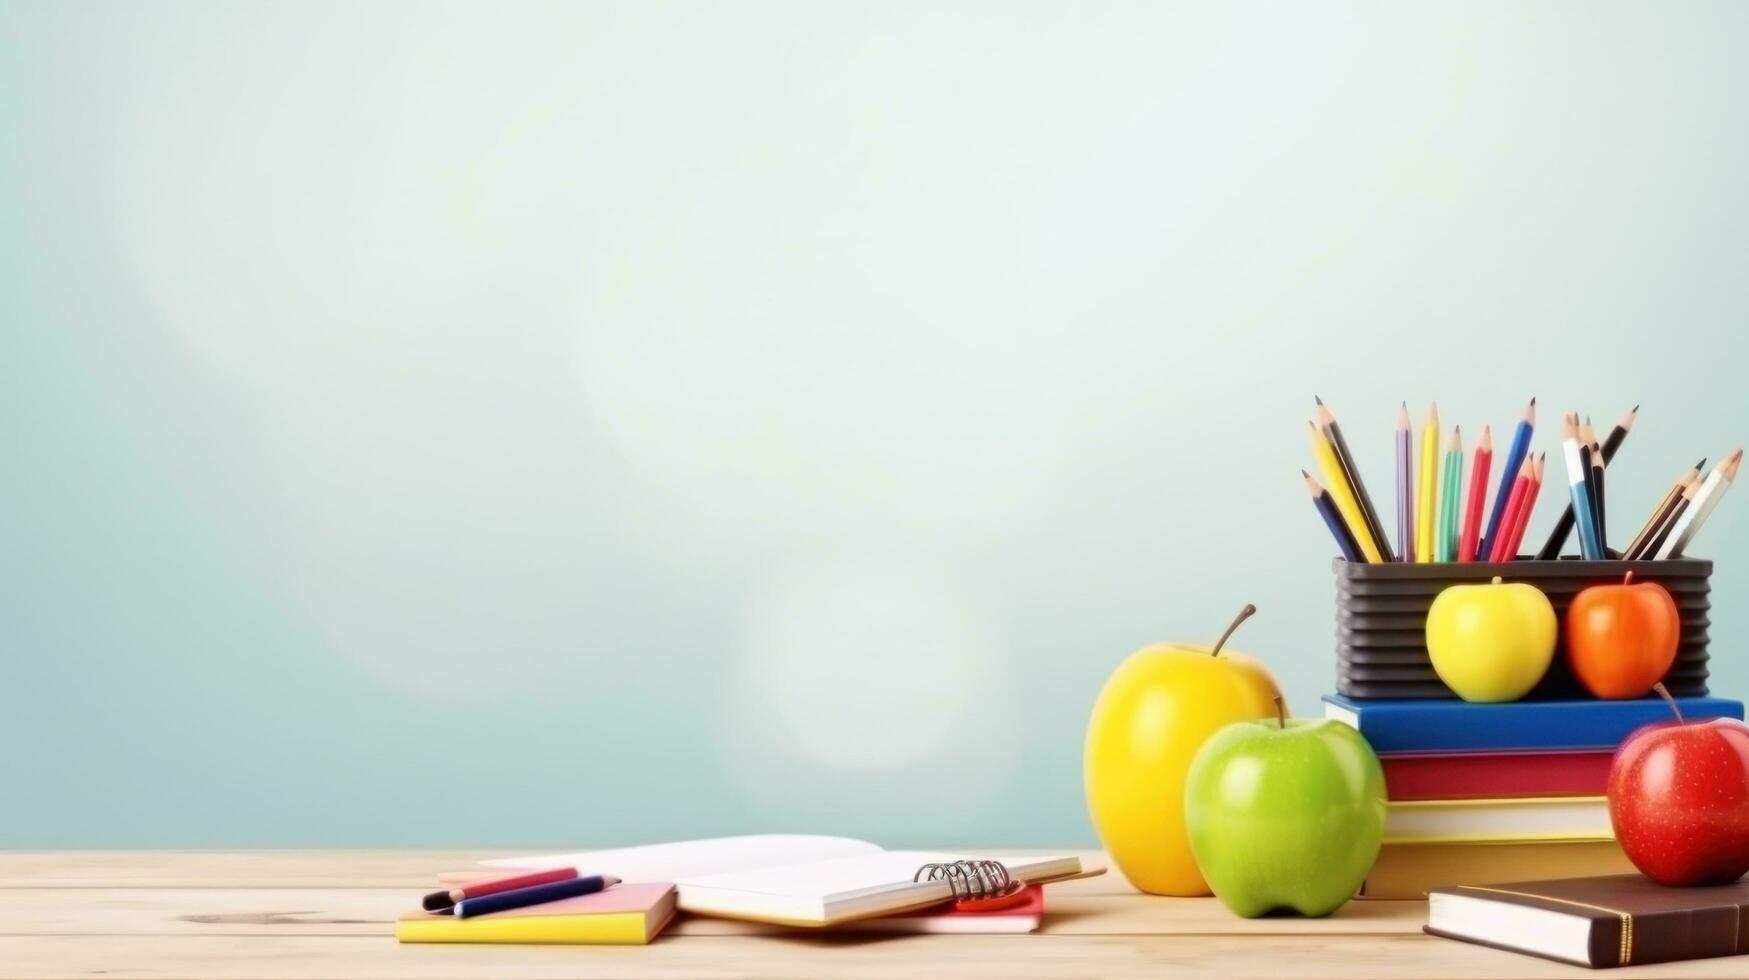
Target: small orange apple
x=1621 y=639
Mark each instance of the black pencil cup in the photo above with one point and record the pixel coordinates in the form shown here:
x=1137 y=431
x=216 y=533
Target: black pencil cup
x=1381 y=618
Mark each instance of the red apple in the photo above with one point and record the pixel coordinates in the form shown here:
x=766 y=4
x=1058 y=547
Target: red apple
x=1621 y=639
x=1679 y=800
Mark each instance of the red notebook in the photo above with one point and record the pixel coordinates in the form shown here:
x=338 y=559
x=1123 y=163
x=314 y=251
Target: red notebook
x=1494 y=775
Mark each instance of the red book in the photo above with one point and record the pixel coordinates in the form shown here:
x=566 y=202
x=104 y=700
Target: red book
x=1484 y=775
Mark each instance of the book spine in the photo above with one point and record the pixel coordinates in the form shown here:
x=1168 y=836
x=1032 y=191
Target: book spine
x=1664 y=937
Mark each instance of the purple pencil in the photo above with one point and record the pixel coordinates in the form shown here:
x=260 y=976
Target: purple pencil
x=1405 y=485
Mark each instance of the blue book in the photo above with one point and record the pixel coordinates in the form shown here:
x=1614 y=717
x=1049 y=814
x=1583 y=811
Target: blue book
x=1458 y=726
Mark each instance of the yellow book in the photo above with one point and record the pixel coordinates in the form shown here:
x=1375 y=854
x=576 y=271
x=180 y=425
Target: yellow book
x=1410 y=871
x=624 y=915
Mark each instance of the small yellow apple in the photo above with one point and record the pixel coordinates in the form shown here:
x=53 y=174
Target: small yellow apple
x=1491 y=642
x=1154 y=713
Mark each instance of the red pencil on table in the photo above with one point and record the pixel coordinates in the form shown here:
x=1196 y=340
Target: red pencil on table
x=1472 y=529
x=1509 y=514
x=438 y=901
x=1524 y=510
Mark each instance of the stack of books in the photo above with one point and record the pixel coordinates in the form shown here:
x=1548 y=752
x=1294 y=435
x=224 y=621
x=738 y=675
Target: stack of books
x=1482 y=794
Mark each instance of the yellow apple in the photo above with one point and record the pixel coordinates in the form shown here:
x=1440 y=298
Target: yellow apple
x=1491 y=642
x=1150 y=719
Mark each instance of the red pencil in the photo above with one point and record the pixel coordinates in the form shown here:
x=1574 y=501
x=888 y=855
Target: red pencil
x=1525 y=509
x=438 y=901
x=1472 y=529
x=1509 y=515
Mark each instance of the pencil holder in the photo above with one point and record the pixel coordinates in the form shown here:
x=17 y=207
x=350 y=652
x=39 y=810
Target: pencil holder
x=1381 y=617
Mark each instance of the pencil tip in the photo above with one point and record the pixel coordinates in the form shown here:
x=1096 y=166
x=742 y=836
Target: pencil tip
x=1317 y=399
x=1635 y=410
x=1305 y=474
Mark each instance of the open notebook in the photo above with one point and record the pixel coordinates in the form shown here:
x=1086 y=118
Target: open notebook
x=800 y=880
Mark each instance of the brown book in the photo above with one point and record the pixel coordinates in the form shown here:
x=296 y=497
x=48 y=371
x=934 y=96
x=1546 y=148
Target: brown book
x=1616 y=920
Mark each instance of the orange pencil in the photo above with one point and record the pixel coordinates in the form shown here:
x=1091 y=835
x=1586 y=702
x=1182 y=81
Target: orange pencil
x=1525 y=509
x=1478 y=491
x=1509 y=516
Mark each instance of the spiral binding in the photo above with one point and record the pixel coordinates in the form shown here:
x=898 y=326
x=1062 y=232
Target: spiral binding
x=971 y=879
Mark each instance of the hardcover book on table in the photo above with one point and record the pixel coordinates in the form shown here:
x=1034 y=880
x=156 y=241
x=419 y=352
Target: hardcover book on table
x=1617 y=920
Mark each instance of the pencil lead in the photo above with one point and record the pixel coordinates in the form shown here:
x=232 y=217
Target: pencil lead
x=1317 y=399
x=1700 y=464
x=1305 y=474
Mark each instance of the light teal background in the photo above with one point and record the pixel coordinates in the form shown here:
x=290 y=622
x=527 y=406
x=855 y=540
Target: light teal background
x=603 y=423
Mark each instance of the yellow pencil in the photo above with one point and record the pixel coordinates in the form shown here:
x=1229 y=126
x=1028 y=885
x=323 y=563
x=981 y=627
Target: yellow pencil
x=1343 y=494
x=1427 y=507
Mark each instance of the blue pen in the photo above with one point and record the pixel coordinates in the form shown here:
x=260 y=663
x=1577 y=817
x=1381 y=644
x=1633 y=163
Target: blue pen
x=533 y=895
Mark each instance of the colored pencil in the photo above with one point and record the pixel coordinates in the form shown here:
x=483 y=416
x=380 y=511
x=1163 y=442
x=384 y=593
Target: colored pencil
x=1590 y=472
x=1508 y=471
x=1351 y=473
x=1405 y=484
x=1576 y=472
x=1427 y=505
x=1514 y=500
x=1332 y=518
x=1521 y=523
x=1325 y=453
x=1656 y=543
x=1705 y=500
x=1472 y=528
x=1595 y=458
x=1564 y=524
x=533 y=895
x=1671 y=496
x=1450 y=496
x=437 y=901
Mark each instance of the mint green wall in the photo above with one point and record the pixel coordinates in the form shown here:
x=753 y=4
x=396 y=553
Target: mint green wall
x=607 y=423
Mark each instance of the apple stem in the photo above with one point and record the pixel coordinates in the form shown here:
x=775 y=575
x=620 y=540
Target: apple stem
x=1280 y=713
x=1664 y=693
x=1244 y=614
x=1628 y=578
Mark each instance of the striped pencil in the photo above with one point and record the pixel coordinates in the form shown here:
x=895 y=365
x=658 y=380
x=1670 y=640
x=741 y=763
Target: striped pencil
x=1508 y=470
x=1472 y=528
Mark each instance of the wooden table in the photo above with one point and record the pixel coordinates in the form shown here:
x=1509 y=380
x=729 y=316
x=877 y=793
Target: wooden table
x=330 y=914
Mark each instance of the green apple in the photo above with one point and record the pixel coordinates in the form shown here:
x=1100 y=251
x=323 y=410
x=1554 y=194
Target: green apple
x=1285 y=814
x=1491 y=642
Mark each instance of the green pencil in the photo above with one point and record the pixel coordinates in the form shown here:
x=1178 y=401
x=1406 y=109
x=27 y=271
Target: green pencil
x=1449 y=498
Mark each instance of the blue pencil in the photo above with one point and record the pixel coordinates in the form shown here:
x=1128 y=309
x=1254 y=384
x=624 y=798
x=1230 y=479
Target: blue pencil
x=1333 y=517
x=1514 y=461
x=1589 y=546
x=532 y=895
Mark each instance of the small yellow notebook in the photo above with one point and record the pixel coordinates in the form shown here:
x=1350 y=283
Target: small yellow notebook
x=624 y=915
